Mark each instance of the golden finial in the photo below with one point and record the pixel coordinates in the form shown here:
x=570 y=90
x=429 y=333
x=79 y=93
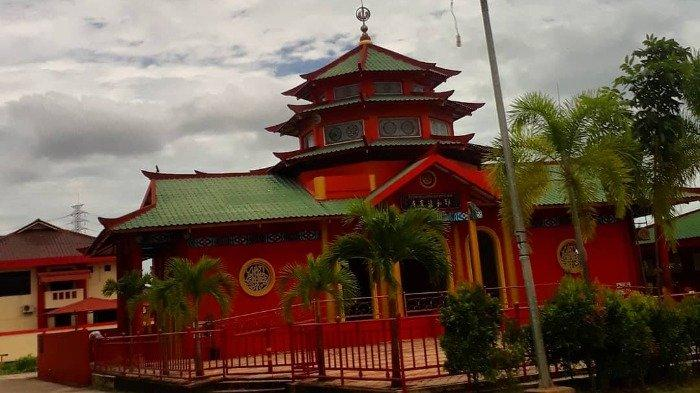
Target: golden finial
x=362 y=14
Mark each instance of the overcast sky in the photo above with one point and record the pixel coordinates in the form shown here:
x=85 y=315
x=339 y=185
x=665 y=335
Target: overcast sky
x=93 y=92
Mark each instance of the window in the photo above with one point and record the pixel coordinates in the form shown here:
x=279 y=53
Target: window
x=15 y=283
x=439 y=127
x=346 y=91
x=399 y=127
x=387 y=88
x=418 y=88
x=61 y=285
x=309 y=140
x=108 y=268
x=343 y=132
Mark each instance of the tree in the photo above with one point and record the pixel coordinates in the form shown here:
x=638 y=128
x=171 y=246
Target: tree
x=471 y=320
x=582 y=147
x=128 y=289
x=385 y=236
x=309 y=283
x=661 y=80
x=196 y=281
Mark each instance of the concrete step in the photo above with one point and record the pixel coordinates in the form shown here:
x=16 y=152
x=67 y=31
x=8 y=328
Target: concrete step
x=251 y=385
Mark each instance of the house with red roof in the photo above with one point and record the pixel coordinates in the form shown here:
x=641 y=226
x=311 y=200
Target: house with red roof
x=46 y=282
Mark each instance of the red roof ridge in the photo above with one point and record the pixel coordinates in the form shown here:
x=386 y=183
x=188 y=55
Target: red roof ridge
x=109 y=223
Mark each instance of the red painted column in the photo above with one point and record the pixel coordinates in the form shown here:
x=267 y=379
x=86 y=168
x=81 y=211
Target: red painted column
x=425 y=126
x=41 y=306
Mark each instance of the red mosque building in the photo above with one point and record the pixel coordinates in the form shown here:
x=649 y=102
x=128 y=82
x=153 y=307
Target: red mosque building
x=377 y=128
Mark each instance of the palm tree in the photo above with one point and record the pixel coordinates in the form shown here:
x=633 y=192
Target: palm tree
x=128 y=289
x=194 y=282
x=308 y=283
x=582 y=147
x=385 y=236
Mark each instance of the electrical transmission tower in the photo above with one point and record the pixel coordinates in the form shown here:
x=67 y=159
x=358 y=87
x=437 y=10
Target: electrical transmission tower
x=78 y=218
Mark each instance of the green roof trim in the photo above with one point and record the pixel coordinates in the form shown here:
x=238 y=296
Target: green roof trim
x=209 y=200
x=375 y=98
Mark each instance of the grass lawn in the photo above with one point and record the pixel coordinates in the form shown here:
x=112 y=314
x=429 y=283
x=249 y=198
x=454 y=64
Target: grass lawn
x=24 y=364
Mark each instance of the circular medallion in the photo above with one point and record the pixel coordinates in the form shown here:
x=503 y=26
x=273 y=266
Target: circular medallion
x=352 y=131
x=427 y=179
x=335 y=134
x=257 y=277
x=408 y=127
x=567 y=255
x=362 y=14
x=389 y=128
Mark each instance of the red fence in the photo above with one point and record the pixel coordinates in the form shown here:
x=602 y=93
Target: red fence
x=263 y=344
x=64 y=357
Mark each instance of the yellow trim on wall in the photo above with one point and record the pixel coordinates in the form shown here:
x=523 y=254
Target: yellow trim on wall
x=499 y=261
x=320 y=187
x=474 y=249
x=399 y=288
x=510 y=263
x=372 y=182
x=459 y=263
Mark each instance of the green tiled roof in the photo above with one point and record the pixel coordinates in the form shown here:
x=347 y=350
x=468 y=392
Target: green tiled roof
x=208 y=200
x=687 y=227
x=556 y=194
x=344 y=67
x=376 y=61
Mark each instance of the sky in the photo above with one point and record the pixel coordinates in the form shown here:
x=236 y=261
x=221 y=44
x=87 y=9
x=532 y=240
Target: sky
x=93 y=92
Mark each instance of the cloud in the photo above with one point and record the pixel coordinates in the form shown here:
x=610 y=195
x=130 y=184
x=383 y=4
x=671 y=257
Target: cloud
x=61 y=127
x=92 y=92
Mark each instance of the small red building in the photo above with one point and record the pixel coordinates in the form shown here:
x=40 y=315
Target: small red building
x=375 y=127
x=46 y=282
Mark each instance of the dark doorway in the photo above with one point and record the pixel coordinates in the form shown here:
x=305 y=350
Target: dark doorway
x=361 y=308
x=489 y=262
x=62 y=320
x=421 y=294
x=104 y=316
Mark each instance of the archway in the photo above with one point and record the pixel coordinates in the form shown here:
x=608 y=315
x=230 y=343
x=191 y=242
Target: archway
x=363 y=306
x=421 y=294
x=489 y=254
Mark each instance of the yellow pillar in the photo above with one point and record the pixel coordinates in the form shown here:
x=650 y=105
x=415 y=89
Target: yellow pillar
x=468 y=261
x=372 y=182
x=320 y=187
x=474 y=250
x=510 y=263
x=459 y=263
x=396 y=270
x=375 y=300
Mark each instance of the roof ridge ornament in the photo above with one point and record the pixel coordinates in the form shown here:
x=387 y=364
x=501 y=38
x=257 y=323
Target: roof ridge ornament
x=362 y=14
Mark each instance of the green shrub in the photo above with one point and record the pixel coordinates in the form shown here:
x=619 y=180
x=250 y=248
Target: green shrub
x=25 y=364
x=511 y=354
x=471 y=319
x=572 y=325
x=627 y=343
x=690 y=309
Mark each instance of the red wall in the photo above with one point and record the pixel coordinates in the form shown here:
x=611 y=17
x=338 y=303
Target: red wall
x=64 y=358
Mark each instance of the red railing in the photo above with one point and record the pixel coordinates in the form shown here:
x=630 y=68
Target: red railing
x=264 y=344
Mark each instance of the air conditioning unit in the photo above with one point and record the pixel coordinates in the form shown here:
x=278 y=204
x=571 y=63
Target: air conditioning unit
x=28 y=309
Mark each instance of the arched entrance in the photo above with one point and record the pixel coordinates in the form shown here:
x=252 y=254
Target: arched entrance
x=490 y=256
x=421 y=294
x=362 y=307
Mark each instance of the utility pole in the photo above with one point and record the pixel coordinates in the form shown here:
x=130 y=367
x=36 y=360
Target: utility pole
x=545 y=381
x=78 y=221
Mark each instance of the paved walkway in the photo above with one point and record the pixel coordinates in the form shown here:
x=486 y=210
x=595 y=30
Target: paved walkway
x=28 y=383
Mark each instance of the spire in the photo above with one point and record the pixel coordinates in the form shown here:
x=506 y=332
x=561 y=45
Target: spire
x=362 y=14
